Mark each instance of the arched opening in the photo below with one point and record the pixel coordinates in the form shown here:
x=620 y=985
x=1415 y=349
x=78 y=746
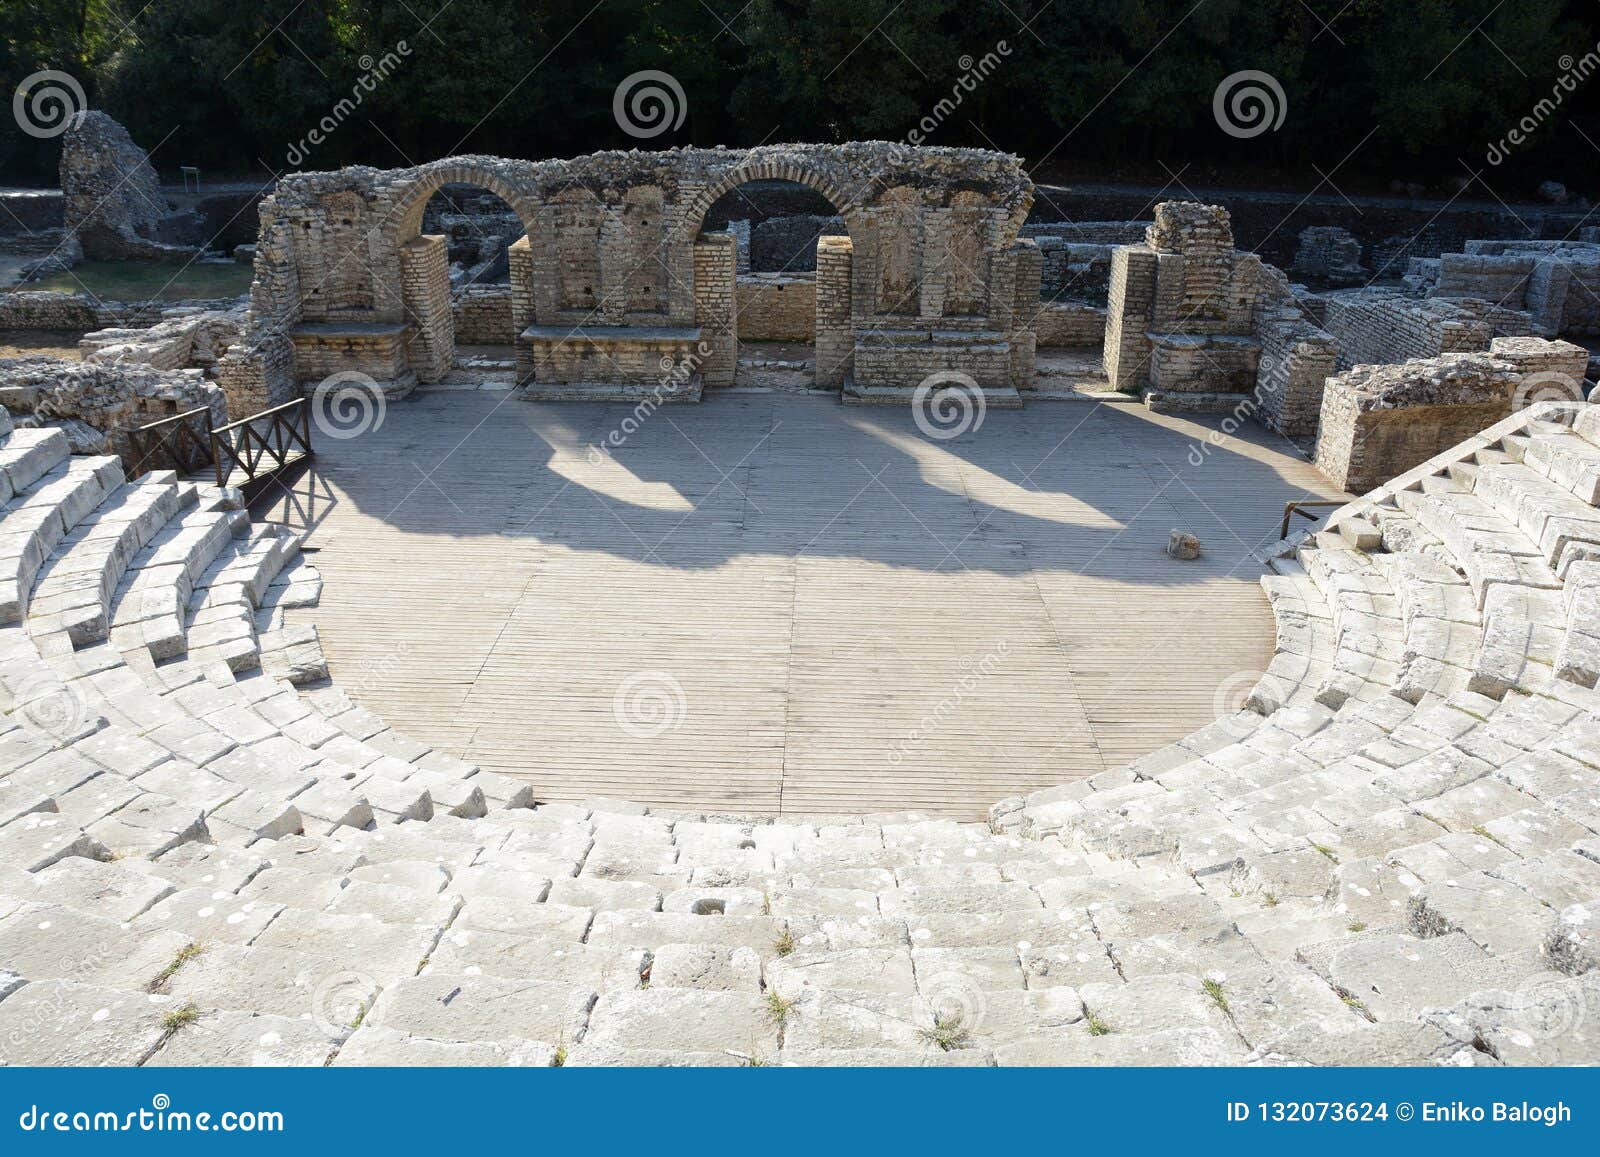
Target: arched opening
x=776 y=225
x=479 y=227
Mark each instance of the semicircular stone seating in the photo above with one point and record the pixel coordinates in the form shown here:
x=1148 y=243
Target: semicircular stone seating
x=1389 y=855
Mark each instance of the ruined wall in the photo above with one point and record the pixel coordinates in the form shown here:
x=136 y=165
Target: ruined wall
x=1069 y=324
x=107 y=397
x=611 y=244
x=777 y=307
x=482 y=315
x=1378 y=326
x=1380 y=421
x=835 y=343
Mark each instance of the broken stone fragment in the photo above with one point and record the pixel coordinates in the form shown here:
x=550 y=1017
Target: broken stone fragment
x=1182 y=545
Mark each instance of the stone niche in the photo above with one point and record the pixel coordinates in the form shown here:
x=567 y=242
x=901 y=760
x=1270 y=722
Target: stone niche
x=1380 y=421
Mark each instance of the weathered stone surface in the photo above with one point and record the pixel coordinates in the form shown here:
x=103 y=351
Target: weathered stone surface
x=484 y=1009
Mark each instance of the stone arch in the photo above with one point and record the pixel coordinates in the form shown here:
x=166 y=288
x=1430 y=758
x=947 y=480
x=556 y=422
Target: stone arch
x=423 y=289
x=767 y=170
x=404 y=220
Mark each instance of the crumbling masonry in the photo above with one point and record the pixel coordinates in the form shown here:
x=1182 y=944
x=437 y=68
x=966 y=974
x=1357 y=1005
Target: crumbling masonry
x=614 y=286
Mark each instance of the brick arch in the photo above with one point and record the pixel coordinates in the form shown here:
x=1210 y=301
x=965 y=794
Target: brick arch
x=405 y=219
x=819 y=182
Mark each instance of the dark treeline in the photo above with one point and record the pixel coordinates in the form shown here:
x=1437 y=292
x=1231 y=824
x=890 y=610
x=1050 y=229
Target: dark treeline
x=1405 y=88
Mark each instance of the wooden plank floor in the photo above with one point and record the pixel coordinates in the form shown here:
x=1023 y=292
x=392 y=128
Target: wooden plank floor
x=775 y=603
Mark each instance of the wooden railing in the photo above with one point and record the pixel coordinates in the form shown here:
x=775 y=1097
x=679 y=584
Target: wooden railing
x=182 y=442
x=262 y=444
x=1300 y=505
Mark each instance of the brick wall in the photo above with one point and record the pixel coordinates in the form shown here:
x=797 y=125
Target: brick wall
x=482 y=315
x=1379 y=327
x=1380 y=421
x=425 y=288
x=1296 y=359
x=1070 y=324
x=835 y=344
x=777 y=307
x=1128 y=303
x=716 y=306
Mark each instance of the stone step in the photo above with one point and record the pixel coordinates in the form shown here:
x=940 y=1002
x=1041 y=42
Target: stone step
x=74 y=587
x=39 y=518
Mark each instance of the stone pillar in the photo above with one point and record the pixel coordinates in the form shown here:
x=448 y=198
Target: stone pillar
x=835 y=334
x=1026 y=269
x=524 y=311
x=1129 y=297
x=425 y=285
x=716 y=306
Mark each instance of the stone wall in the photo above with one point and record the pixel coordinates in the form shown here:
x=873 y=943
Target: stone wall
x=1552 y=370
x=109 y=397
x=835 y=342
x=1126 y=353
x=1296 y=359
x=112 y=201
x=610 y=244
x=1377 y=326
x=1069 y=324
x=1076 y=257
x=425 y=285
x=1328 y=255
x=777 y=307
x=789 y=244
x=25 y=211
x=1380 y=421
x=717 y=307
x=186 y=338
x=80 y=313
x=483 y=315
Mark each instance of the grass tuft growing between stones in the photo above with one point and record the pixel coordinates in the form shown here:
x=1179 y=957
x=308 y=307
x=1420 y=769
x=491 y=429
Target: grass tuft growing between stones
x=778 y=1008
x=179 y=1017
x=1097 y=1026
x=185 y=954
x=1213 y=989
x=948 y=1033
x=784 y=944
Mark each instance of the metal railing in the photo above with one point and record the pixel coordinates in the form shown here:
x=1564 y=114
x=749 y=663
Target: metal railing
x=182 y=442
x=1300 y=506
x=263 y=443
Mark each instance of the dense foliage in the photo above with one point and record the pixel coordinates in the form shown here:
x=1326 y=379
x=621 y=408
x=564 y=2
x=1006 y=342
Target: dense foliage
x=1110 y=87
